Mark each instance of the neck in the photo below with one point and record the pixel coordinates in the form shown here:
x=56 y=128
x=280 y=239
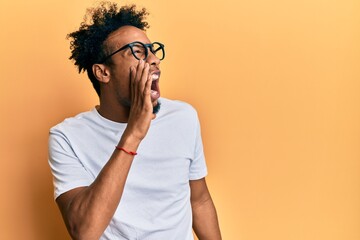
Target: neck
x=113 y=110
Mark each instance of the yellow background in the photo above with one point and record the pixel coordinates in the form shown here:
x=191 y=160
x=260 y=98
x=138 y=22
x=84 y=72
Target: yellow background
x=277 y=87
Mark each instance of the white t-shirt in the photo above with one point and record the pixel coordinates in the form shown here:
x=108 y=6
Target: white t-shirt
x=155 y=204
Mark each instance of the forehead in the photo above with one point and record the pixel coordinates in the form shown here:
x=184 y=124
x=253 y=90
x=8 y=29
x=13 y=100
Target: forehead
x=125 y=35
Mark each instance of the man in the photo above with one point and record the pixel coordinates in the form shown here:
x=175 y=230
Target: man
x=133 y=167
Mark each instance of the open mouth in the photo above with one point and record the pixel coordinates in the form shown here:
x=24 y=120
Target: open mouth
x=155 y=90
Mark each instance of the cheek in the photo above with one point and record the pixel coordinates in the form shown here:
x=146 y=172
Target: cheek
x=121 y=74
x=120 y=79
x=123 y=69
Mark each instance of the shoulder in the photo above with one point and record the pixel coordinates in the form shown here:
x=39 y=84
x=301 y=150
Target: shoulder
x=77 y=122
x=177 y=114
x=177 y=106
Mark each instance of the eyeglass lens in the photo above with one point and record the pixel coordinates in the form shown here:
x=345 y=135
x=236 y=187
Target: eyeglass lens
x=140 y=51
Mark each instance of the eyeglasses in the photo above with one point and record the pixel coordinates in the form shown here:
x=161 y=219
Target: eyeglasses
x=140 y=50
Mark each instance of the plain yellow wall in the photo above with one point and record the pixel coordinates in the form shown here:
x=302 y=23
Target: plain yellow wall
x=277 y=87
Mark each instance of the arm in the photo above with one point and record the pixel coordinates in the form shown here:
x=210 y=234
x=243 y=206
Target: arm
x=205 y=222
x=87 y=211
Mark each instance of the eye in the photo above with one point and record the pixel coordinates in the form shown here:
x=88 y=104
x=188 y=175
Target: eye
x=138 y=49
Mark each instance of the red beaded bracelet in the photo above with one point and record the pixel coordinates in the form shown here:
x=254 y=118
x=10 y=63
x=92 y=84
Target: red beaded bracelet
x=128 y=152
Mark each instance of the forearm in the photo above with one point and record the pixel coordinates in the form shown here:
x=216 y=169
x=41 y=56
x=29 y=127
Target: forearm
x=205 y=221
x=91 y=209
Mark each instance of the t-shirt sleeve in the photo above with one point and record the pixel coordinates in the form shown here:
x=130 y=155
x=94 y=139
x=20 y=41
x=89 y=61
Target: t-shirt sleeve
x=68 y=171
x=198 y=167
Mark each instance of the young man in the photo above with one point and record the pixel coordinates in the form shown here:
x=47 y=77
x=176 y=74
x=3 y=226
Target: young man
x=133 y=167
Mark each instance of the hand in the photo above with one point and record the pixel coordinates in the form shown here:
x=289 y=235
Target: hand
x=141 y=110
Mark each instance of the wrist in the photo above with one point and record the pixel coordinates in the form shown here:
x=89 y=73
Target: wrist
x=126 y=151
x=129 y=141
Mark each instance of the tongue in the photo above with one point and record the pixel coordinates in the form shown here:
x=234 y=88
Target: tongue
x=154 y=95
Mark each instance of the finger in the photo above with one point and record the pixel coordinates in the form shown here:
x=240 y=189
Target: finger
x=139 y=70
x=147 y=89
x=132 y=81
x=136 y=79
x=144 y=77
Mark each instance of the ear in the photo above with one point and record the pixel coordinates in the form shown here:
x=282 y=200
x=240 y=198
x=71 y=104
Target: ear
x=101 y=72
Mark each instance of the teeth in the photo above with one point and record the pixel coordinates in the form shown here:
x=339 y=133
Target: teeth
x=155 y=76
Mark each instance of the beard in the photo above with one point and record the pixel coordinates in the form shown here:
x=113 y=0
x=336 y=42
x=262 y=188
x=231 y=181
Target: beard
x=127 y=103
x=156 y=108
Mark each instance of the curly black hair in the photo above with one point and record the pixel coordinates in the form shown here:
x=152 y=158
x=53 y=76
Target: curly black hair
x=87 y=44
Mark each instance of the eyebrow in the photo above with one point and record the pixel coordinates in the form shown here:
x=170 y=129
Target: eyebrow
x=137 y=45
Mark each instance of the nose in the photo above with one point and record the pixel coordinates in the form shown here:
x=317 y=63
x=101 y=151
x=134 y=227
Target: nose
x=152 y=59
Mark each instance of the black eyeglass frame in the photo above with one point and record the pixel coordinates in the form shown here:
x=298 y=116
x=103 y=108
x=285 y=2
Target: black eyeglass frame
x=146 y=47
